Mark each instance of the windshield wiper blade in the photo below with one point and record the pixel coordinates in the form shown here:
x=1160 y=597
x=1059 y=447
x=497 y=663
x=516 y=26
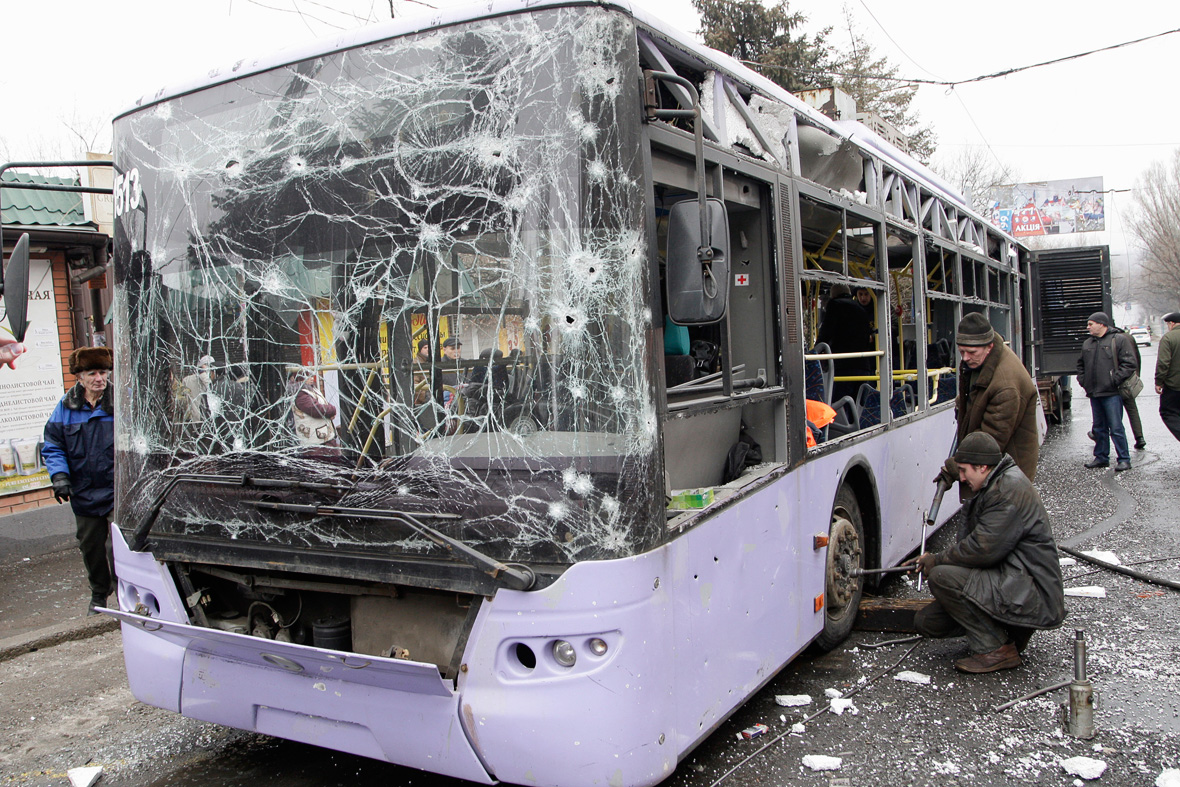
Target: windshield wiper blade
x=515 y=576
x=139 y=538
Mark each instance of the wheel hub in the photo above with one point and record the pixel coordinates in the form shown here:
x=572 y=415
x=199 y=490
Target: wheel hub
x=844 y=555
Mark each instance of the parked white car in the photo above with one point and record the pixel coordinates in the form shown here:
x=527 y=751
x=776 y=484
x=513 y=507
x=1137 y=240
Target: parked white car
x=1141 y=336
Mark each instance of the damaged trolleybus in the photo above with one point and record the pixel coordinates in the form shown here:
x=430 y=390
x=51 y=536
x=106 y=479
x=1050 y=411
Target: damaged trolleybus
x=463 y=376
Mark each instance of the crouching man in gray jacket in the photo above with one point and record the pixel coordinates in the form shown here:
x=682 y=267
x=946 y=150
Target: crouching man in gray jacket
x=1001 y=580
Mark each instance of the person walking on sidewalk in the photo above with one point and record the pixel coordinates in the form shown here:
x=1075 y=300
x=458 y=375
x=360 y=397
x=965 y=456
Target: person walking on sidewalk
x=1106 y=361
x=1167 y=374
x=79 y=453
x=1129 y=404
x=1001 y=580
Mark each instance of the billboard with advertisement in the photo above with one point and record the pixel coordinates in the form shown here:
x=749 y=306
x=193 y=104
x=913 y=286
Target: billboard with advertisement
x=1049 y=207
x=29 y=392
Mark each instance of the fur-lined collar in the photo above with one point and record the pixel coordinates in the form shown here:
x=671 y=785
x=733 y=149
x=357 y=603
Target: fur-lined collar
x=76 y=399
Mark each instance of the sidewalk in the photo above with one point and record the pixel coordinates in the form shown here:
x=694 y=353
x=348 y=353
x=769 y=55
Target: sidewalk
x=43 y=590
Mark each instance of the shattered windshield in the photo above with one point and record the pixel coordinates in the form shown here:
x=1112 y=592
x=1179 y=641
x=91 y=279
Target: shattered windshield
x=415 y=269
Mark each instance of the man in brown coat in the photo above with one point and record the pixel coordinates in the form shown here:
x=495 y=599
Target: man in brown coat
x=996 y=396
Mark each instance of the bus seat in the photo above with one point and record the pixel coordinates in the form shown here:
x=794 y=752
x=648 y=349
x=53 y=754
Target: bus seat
x=678 y=369
x=901 y=402
x=676 y=340
x=948 y=388
x=868 y=400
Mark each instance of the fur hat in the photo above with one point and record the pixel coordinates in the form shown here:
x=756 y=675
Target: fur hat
x=979 y=448
x=87 y=359
x=1102 y=318
x=974 y=331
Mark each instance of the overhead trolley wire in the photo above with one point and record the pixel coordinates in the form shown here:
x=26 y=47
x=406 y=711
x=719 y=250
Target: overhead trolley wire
x=980 y=78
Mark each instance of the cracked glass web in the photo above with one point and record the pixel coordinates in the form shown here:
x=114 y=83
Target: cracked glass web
x=307 y=229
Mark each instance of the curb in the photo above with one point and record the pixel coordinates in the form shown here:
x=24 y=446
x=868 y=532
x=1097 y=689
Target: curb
x=90 y=626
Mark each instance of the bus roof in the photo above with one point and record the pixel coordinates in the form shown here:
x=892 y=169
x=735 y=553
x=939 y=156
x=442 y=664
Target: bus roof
x=854 y=131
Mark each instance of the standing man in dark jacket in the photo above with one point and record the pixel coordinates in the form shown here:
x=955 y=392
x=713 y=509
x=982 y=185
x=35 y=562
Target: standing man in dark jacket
x=996 y=396
x=1167 y=374
x=1106 y=361
x=1001 y=580
x=80 y=455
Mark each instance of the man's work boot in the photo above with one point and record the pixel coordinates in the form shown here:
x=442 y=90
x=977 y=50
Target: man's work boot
x=1093 y=463
x=1090 y=434
x=1003 y=657
x=96 y=600
x=1140 y=444
x=1121 y=466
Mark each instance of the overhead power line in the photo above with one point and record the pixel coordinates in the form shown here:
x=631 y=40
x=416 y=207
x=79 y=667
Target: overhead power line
x=981 y=78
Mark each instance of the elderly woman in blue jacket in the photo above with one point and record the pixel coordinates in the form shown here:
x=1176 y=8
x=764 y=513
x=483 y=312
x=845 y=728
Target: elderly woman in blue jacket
x=79 y=453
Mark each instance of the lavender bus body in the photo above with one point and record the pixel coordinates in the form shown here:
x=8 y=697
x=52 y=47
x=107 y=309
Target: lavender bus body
x=485 y=566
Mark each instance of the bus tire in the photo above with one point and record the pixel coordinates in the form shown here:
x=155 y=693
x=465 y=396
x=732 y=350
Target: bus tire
x=842 y=590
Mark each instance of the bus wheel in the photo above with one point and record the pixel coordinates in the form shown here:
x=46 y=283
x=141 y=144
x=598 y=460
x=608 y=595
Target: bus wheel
x=842 y=590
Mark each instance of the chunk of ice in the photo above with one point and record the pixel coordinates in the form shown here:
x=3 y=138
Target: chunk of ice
x=906 y=676
x=1087 y=591
x=840 y=705
x=833 y=693
x=1103 y=555
x=798 y=727
x=793 y=700
x=84 y=777
x=822 y=762
x=1067 y=561
x=1169 y=777
x=1085 y=767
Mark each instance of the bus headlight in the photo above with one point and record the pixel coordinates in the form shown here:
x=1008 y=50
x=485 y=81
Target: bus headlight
x=598 y=646
x=563 y=653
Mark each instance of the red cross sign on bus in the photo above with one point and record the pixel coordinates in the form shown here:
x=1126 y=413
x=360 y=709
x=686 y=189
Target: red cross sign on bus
x=741 y=280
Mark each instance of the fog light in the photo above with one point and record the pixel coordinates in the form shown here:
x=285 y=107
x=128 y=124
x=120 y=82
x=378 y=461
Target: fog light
x=563 y=653
x=598 y=646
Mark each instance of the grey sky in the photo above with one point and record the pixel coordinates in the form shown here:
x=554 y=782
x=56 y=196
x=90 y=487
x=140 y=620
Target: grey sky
x=1108 y=114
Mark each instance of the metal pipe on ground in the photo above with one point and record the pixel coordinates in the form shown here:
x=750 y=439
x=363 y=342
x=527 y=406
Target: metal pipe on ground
x=1168 y=583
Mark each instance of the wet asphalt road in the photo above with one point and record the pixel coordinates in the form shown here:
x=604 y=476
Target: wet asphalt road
x=901 y=733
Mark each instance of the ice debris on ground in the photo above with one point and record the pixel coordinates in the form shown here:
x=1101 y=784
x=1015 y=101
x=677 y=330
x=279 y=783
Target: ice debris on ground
x=908 y=676
x=1067 y=561
x=793 y=700
x=1085 y=767
x=833 y=693
x=822 y=762
x=84 y=777
x=1087 y=591
x=948 y=768
x=1103 y=555
x=838 y=706
x=798 y=728
x=1169 y=777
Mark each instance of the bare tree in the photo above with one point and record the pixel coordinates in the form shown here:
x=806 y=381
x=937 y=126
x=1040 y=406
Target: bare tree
x=1155 y=225
x=975 y=171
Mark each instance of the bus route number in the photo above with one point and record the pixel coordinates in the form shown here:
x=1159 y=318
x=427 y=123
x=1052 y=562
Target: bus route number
x=126 y=192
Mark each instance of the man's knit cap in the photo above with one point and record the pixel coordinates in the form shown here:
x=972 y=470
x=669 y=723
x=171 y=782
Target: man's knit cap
x=974 y=331
x=1102 y=318
x=979 y=448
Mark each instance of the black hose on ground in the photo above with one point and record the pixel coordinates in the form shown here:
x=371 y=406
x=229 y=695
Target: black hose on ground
x=1168 y=583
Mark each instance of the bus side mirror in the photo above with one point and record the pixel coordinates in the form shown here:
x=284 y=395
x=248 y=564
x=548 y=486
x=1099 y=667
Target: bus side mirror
x=698 y=267
x=14 y=283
